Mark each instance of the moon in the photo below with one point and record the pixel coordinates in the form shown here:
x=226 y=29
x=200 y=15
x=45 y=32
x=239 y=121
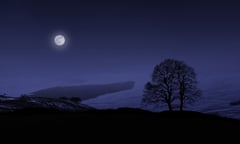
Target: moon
x=59 y=40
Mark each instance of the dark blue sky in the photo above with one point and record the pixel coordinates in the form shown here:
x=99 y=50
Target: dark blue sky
x=111 y=41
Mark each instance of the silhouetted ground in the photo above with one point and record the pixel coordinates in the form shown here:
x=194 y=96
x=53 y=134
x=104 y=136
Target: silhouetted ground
x=120 y=123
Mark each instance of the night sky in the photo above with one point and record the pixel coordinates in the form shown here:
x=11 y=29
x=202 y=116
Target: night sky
x=112 y=41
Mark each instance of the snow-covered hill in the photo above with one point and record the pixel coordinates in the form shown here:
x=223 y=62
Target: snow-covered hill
x=83 y=92
x=128 y=98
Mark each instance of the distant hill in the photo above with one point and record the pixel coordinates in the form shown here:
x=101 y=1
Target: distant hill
x=84 y=92
x=25 y=102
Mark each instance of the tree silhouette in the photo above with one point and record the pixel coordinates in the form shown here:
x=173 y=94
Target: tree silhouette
x=186 y=84
x=171 y=80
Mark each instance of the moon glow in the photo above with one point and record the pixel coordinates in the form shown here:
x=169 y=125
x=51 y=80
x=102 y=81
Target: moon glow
x=59 y=40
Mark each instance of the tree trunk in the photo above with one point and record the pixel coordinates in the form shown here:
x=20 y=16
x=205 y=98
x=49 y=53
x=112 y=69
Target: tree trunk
x=182 y=93
x=169 y=106
x=181 y=104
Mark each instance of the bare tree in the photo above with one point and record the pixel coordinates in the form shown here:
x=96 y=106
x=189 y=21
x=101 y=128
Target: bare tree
x=186 y=84
x=171 y=80
x=161 y=88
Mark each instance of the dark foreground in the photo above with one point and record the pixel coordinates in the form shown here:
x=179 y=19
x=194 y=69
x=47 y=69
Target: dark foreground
x=119 y=122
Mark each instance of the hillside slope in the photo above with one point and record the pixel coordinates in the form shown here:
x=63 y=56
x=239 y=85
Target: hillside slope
x=83 y=91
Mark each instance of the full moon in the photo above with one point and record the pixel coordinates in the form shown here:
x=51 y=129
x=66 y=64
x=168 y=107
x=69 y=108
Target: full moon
x=59 y=40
